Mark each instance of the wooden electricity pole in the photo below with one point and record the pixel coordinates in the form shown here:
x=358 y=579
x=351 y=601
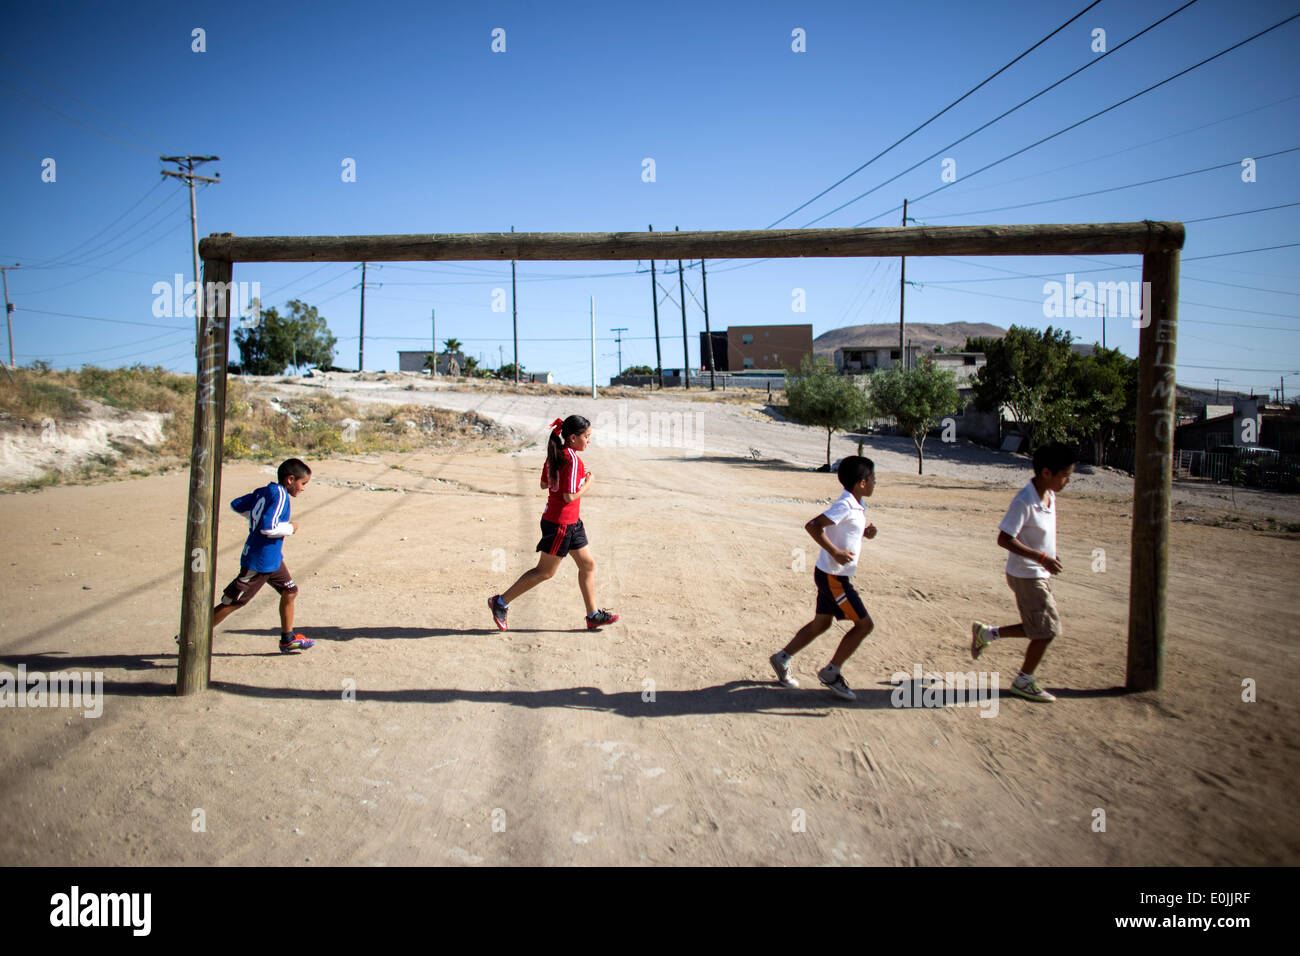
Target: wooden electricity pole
x=902 y=294
x=9 y=309
x=654 y=300
x=514 y=314
x=686 y=349
x=708 y=334
x=188 y=177
x=361 y=345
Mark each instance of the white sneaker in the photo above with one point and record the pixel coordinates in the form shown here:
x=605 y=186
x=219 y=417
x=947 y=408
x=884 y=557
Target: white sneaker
x=1030 y=690
x=837 y=686
x=783 y=670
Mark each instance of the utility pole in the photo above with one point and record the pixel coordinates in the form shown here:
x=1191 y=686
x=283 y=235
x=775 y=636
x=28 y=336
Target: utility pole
x=1216 y=389
x=708 y=334
x=361 y=345
x=433 y=338
x=1103 y=324
x=9 y=309
x=593 y=347
x=654 y=299
x=686 y=348
x=902 y=293
x=514 y=312
x=187 y=163
x=618 y=340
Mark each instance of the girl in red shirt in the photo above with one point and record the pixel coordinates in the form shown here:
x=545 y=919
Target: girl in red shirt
x=562 y=534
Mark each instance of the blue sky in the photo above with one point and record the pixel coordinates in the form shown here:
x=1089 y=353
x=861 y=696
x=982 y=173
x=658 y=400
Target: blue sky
x=449 y=136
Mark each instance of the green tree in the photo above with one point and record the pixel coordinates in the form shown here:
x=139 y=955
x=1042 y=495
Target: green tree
x=1026 y=372
x=638 y=370
x=917 y=398
x=272 y=343
x=508 y=371
x=452 y=345
x=1103 y=387
x=820 y=396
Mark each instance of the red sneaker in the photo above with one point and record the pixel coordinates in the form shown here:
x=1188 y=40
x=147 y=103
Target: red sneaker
x=600 y=618
x=498 y=612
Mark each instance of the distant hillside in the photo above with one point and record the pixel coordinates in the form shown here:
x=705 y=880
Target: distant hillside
x=952 y=336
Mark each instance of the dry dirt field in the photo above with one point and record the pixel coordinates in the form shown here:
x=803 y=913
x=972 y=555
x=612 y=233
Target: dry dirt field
x=662 y=738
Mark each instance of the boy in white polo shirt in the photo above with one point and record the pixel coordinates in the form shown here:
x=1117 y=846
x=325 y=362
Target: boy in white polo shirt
x=1028 y=531
x=839 y=531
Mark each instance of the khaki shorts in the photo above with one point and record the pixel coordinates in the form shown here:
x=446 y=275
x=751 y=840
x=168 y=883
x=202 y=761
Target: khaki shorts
x=1038 y=613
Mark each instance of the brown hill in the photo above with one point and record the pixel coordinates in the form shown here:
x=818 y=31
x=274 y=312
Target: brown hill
x=951 y=335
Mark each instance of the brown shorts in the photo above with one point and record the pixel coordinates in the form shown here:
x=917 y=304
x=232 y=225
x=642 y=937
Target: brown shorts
x=1038 y=613
x=241 y=590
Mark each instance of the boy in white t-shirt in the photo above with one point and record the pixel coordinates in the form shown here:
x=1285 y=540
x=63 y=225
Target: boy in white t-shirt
x=839 y=531
x=1028 y=531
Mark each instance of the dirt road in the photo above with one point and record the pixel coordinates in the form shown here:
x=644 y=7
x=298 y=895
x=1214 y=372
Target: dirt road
x=661 y=739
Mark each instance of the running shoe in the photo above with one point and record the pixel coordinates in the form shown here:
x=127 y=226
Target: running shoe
x=299 y=643
x=498 y=612
x=782 y=669
x=977 y=639
x=1030 y=690
x=837 y=686
x=600 y=618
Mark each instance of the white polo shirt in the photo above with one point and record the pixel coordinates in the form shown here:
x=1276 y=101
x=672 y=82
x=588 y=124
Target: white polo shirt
x=850 y=521
x=1032 y=522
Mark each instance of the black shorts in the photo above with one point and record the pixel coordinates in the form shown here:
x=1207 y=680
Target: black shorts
x=560 y=539
x=837 y=597
x=248 y=582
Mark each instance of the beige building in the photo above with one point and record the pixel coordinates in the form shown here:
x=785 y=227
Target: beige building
x=869 y=358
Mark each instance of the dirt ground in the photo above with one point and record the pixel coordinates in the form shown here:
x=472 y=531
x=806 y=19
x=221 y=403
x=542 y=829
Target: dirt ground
x=662 y=738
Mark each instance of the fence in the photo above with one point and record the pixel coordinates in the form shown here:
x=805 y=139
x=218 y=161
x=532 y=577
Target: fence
x=723 y=380
x=1252 y=469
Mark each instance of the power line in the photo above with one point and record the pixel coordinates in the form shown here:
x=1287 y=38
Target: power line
x=110 y=348
x=1229 y=215
x=97 y=318
x=1091 y=63
x=72 y=120
x=938 y=114
x=82 y=102
x=1127 y=99
x=90 y=275
x=1145 y=182
x=1129 y=149
x=65 y=255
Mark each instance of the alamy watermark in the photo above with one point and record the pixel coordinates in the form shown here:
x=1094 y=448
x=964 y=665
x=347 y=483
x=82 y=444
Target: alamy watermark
x=60 y=689
x=951 y=689
x=636 y=429
x=176 y=298
x=1087 y=300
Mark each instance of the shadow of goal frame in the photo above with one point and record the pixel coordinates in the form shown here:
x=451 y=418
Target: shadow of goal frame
x=1159 y=244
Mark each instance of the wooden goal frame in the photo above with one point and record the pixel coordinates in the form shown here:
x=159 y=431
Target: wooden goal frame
x=1159 y=244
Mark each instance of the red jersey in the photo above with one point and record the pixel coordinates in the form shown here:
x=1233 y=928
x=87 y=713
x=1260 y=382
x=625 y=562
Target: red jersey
x=569 y=480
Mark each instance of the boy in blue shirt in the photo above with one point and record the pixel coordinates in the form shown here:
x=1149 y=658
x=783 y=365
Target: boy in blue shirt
x=261 y=561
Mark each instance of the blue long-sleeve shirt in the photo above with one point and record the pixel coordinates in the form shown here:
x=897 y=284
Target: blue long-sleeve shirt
x=268 y=523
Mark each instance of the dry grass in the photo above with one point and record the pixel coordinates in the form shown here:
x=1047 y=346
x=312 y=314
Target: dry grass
x=258 y=426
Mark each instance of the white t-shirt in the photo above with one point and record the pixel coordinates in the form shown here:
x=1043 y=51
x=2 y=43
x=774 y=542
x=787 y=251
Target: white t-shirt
x=1033 y=523
x=846 y=533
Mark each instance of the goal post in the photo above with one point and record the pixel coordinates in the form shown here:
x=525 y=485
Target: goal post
x=1159 y=244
